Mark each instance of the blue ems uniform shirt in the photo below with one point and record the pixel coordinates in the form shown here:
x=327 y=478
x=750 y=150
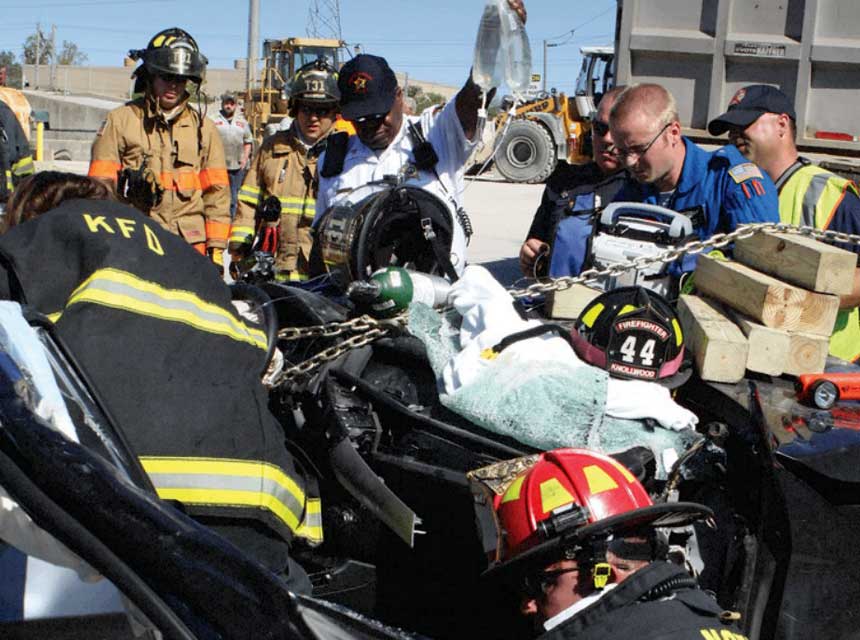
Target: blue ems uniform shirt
x=719 y=190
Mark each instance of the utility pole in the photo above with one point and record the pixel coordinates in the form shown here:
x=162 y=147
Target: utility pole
x=53 y=57
x=546 y=46
x=253 y=43
x=38 y=53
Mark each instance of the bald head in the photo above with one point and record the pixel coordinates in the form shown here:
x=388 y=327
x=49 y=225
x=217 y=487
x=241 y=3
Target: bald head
x=653 y=100
x=647 y=135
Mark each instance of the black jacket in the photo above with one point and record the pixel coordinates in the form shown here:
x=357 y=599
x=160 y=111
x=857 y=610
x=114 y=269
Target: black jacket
x=150 y=321
x=659 y=602
x=562 y=187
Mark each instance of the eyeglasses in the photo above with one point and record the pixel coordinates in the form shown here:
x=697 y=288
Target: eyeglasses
x=319 y=112
x=600 y=128
x=541 y=583
x=635 y=153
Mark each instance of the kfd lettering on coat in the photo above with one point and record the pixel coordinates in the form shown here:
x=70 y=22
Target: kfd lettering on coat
x=126 y=228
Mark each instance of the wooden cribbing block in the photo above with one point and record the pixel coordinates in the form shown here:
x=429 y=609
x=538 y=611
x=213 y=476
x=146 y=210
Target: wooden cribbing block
x=718 y=346
x=768 y=347
x=799 y=260
x=770 y=301
x=567 y=304
x=807 y=353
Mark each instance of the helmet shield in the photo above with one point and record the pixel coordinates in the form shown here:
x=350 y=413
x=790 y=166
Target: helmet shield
x=176 y=60
x=172 y=52
x=633 y=333
x=315 y=82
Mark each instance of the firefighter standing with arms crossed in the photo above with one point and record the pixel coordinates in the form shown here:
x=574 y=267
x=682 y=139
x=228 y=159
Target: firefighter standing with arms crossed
x=285 y=167
x=164 y=157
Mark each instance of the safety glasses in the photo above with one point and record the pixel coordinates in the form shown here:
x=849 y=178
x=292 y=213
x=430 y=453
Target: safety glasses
x=634 y=153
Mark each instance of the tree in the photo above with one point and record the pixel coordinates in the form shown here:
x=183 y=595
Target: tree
x=13 y=68
x=40 y=41
x=71 y=54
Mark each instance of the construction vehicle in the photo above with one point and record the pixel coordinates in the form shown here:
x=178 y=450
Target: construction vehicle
x=266 y=104
x=550 y=127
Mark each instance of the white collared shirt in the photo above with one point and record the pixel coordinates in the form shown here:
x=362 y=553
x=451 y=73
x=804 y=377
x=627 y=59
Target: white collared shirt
x=573 y=609
x=363 y=165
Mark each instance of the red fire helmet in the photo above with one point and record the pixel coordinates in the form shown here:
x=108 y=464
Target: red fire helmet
x=576 y=485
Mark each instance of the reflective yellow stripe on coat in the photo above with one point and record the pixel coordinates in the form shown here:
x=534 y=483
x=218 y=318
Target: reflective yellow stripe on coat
x=123 y=290
x=213 y=482
x=811 y=197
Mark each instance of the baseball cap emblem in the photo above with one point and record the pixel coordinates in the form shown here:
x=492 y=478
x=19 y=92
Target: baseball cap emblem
x=738 y=97
x=359 y=80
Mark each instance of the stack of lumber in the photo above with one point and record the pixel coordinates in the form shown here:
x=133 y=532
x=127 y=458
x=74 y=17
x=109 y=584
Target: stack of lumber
x=770 y=310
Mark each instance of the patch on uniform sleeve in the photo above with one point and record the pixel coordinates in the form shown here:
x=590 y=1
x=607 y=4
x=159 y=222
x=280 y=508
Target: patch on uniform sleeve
x=744 y=172
x=102 y=127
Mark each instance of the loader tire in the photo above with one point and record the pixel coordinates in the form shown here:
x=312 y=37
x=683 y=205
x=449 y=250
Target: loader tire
x=526 y=153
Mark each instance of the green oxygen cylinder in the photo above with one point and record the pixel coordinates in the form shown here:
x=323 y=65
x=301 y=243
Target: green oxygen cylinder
x=390 y=290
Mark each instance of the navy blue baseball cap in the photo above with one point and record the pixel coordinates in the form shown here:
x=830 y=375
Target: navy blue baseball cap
x=748 y=104
x=367 y=87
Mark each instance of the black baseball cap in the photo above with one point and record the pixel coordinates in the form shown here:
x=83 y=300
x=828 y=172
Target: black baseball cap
x=367 y=87
x=748 y=104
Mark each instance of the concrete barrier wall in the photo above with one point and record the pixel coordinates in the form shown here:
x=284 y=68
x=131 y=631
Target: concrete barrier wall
x=115 y=82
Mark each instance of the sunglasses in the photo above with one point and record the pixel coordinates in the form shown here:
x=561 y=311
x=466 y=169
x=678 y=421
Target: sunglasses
x=600 y=128
x=319 y=112
x=172 y=77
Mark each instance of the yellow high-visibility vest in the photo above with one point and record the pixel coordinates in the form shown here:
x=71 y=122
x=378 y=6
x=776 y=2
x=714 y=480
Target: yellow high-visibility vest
x=810 y=197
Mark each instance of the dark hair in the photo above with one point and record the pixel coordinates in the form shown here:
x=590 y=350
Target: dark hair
x=46 y=190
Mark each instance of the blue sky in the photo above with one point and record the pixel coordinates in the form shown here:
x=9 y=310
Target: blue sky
x=430 y=40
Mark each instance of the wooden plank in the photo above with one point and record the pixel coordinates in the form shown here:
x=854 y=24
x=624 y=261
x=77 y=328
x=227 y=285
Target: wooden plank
x=768 y=347
x=807 y=353
x=799 y=260
x=718 y=346
x=567 y=304
x=765 y=299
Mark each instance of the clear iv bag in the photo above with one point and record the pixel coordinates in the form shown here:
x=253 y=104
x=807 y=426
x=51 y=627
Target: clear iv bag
x=487 y=66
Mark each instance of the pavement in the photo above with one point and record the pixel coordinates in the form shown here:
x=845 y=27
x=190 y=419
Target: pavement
x=501 y=214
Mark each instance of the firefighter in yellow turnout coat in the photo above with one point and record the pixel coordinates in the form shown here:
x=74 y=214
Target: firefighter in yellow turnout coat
x=163 y=156
x=285 y=167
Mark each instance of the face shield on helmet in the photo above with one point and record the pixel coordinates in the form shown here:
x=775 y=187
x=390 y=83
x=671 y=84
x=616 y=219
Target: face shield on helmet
x=633 y=333
x=172 y=52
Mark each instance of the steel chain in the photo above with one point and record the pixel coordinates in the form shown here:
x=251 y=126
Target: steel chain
x=370 y=329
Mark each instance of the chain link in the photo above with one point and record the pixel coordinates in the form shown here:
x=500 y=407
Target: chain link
x=369 y=329
x=716 y=241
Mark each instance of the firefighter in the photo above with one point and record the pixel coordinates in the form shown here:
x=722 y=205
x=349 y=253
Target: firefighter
x=761 y=123
x=15 y=159
x=154 y=328
x=164 y=156
x=556 y=520
x=285 y=167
